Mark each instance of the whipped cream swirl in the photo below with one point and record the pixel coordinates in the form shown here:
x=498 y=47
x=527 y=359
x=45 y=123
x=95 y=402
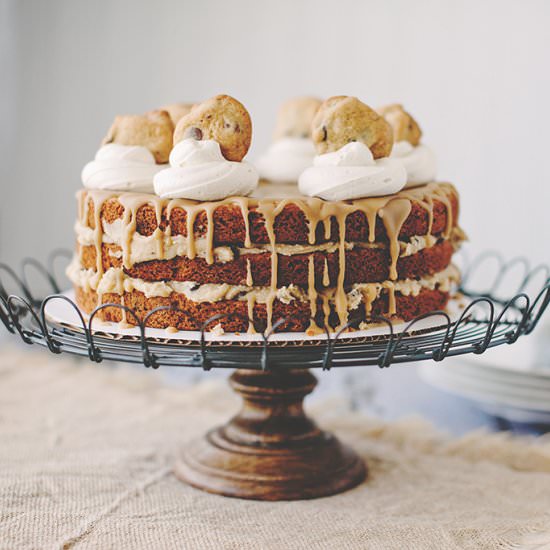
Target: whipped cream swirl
x=352 y=173
x=286 y=159
x=121 y=168
x=198 y=171
x=419 y=162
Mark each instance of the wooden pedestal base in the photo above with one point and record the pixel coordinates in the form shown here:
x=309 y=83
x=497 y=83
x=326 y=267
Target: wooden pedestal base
x=271 y=450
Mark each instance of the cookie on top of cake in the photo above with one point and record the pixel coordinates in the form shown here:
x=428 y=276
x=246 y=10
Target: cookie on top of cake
x=292 y=150
x=171 y=216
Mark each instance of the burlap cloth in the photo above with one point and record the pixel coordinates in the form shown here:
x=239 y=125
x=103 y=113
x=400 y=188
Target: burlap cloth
x=86 y=450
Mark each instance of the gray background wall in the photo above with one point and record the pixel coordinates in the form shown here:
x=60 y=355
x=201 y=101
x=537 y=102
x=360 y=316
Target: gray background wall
x=476 y=75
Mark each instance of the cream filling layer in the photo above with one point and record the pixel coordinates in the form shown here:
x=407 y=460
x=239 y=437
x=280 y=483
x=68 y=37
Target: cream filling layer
x=143 y=249
x=443 y=280
x=114 y=281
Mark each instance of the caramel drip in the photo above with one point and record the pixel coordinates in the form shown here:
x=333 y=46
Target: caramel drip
x=249 y=280
x=390 y=287
x=269 y=310
x=444 y=198
x=326 y=276
x=98 y=238
x=394 y=215
x=327 y=228
x=191 y=214
x=340 y=298
x=269 y=212
x=338 y=211
x=270 y=209
x=429 y=205
x=312 y=294
x=98 y=200
x=392 y=210
x=132 y=203
x=158 y=234
x=369 y=295
x=251 y=300
x=426 y=202
x=210 y=236
x=310 y=210
x=120 y=284
x=371 y=208
x=242 y=202
x=326 y=308
x=124 y=323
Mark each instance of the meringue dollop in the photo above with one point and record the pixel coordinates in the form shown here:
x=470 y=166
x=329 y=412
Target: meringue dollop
x=198 y=171
x=419 y=162
x=286 y=159
x=352 y=173
x=119 y=167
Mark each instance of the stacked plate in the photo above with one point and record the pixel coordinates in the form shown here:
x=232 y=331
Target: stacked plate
x=508 y=382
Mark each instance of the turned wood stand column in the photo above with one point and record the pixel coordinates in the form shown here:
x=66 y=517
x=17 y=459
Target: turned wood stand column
x=271 y=450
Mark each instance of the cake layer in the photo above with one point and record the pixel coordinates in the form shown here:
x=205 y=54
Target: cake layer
x=432 y=208
x=144 y=249
x=364 y=264
x=289 y=250
x=296 y=314
x=204 y=301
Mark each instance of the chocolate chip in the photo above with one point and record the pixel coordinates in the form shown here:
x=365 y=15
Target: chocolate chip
x=325 y=134
x=193 y=132
x=235 y=251
x=194 y=286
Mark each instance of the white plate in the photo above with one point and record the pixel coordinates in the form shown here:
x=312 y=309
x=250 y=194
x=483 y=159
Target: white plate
x=61 y=313
x=442 y=377
x=497 y=376
x=502 y=390
x=526 y=356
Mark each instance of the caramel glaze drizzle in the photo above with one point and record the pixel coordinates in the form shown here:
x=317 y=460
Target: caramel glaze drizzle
x=392 y=210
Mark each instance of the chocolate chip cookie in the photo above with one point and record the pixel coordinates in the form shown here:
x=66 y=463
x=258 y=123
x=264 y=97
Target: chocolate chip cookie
x=221 y=118
x=177 y=110
x=405 y=128
x=295 y=117
x=153 y=130
x=343 y=119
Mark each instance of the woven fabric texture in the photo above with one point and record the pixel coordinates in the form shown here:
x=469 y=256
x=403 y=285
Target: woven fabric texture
x=86 y=453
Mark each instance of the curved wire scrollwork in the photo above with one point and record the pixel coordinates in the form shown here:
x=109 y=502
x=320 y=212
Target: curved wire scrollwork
x=486 y=321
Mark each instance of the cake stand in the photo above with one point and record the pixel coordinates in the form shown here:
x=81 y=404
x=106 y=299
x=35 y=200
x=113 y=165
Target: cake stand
x=271 y=450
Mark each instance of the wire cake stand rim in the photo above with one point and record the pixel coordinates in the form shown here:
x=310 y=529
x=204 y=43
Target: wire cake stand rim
x=486 y=321
x=379 y=332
